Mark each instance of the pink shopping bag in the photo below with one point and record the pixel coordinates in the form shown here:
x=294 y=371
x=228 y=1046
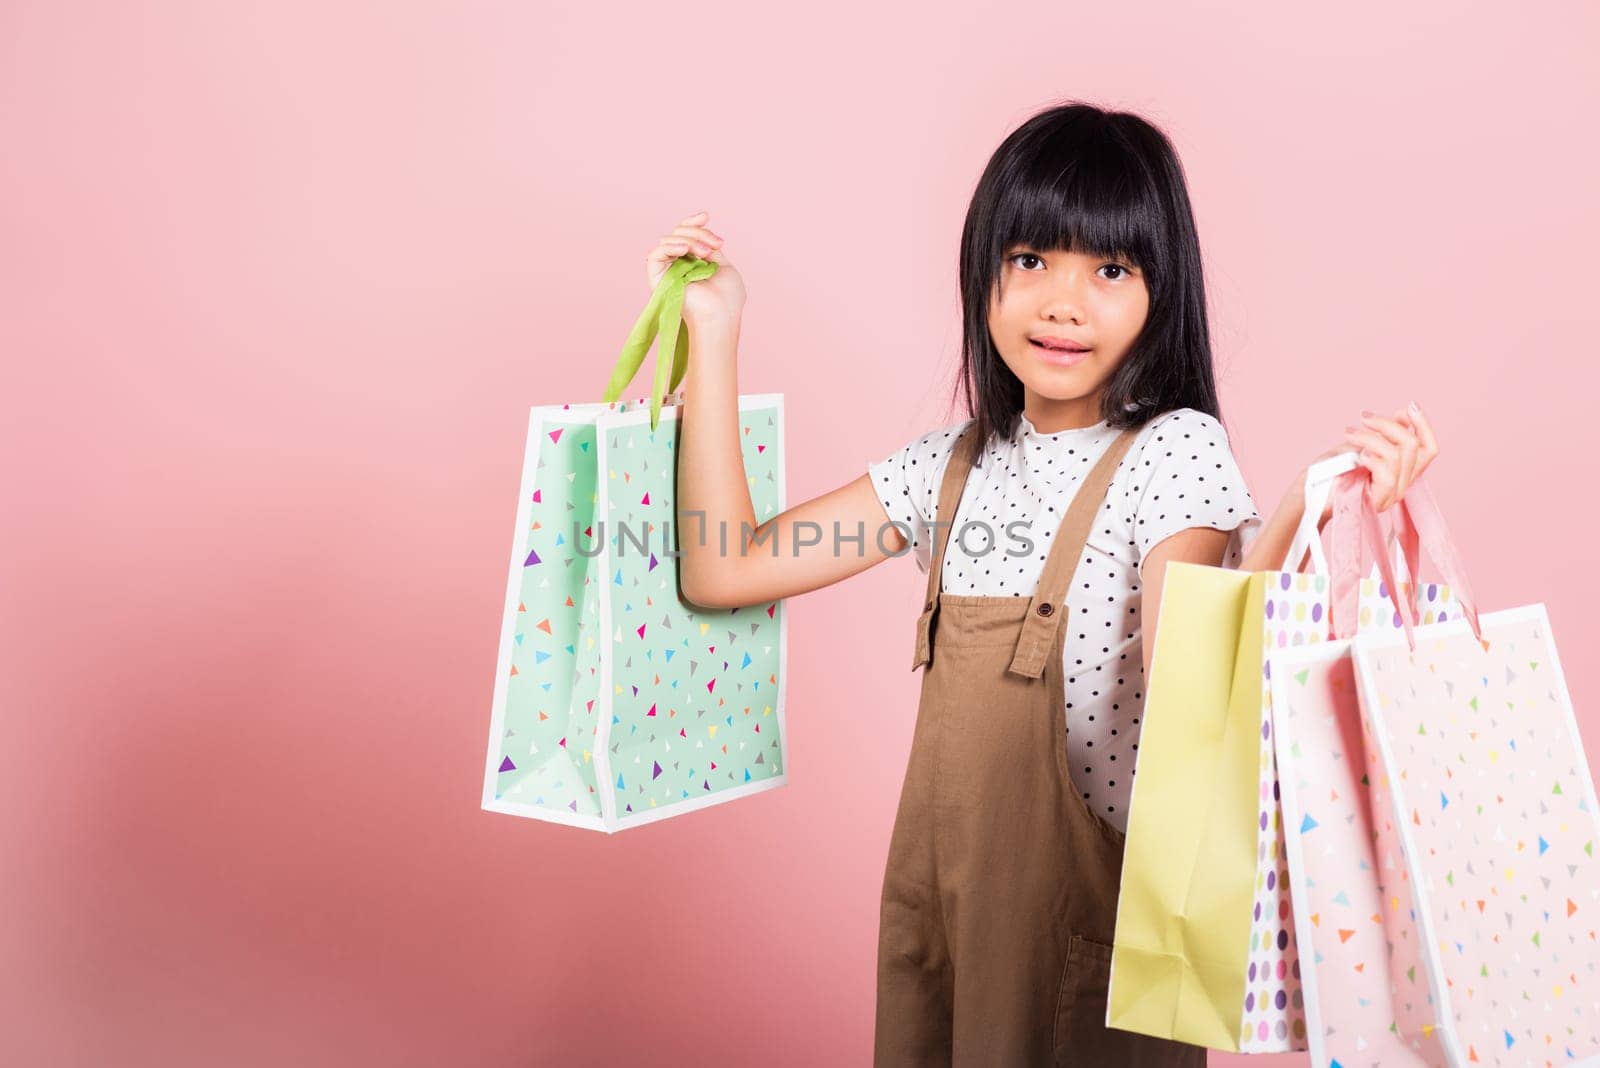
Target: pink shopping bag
x=1489 y=797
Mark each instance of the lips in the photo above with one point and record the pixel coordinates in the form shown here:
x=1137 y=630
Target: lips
x=1059 y=357
x=1058 y=344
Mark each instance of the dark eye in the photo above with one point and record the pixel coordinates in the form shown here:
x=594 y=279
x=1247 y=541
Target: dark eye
x=1125 y=272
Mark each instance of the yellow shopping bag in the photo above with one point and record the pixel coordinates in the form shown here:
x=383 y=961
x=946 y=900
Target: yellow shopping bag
x=1180 y=961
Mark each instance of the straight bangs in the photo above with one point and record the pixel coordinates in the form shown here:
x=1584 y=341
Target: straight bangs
x=1092 y=205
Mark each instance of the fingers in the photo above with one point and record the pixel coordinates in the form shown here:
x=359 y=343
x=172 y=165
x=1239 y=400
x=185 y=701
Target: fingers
x=1371 y=441
x=670 y=249
x=661 y=257
x=1425 y=436
x=703 y=241
x=1380 y=456
x=686 y=239
x=1395 y=449
x=689 y=236
x=1404 y=442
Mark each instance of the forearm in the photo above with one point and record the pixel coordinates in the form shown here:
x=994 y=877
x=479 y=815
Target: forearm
x=1266 y=552
x=714 y=508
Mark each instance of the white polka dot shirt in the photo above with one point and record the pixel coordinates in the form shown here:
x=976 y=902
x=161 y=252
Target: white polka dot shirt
x=1180 y=472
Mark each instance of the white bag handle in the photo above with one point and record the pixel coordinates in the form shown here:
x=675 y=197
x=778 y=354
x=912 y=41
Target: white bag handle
x=1319 y=485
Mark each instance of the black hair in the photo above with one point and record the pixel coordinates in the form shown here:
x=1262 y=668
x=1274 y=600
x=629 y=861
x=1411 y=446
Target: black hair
x=1080 y=178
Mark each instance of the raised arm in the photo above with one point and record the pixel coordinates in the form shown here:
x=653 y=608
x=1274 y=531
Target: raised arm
x=727 y=560
x=1395 y=450
x=813 y=544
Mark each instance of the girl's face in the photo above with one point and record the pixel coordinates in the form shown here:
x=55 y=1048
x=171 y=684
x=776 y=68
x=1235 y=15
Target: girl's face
x=1094 y=301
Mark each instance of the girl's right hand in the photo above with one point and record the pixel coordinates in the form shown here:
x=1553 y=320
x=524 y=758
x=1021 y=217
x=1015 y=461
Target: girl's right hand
x=716 y=300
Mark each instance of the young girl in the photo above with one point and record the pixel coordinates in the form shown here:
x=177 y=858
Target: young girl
x=1093 y=457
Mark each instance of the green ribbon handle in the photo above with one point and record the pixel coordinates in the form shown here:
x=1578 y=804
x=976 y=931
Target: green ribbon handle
x=662 y=316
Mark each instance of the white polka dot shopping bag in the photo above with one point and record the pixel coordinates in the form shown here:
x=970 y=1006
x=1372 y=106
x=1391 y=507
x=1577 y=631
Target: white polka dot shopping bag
x=616 y=702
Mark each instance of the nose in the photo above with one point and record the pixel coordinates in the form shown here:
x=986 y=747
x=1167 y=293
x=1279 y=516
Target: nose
x=1065 y=301
x=1064 y=307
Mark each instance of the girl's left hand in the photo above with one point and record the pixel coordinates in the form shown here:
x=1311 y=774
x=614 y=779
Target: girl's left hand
x=1396 y=450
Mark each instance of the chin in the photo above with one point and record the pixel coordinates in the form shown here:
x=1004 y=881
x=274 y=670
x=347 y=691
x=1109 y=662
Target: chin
x=1059 y=383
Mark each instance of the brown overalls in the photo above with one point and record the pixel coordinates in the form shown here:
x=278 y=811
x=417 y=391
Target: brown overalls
x=1000 y=893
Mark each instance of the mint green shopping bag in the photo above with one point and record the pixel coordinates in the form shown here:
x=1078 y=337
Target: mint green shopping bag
x=617 y=703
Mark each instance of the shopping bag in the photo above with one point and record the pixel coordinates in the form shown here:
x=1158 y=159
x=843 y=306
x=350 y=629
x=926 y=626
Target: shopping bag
x=1490 y=798
x=1363 y=1004
x=1351 y=902
x=1491 y=805
x=616 y=702
x=1204 y=950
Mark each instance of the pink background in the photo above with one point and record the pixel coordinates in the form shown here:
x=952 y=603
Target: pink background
x=281 y=282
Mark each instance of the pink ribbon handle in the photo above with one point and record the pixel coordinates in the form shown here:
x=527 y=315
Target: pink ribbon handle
x=1359 y=534
x=1427 y=526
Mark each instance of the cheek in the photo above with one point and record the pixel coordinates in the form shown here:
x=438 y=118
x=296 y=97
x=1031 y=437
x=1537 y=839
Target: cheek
x=999 y=307
x=1125 y=317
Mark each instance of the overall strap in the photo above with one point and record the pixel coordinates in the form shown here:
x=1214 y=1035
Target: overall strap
x=955 y=479
x=1049 y=602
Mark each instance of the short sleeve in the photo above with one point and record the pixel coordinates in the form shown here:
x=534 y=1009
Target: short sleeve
x=1185 y=475
x=907 y=482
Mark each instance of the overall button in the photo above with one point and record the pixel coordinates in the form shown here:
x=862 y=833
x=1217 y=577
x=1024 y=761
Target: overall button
x=928 y=607
x=1045 y=609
